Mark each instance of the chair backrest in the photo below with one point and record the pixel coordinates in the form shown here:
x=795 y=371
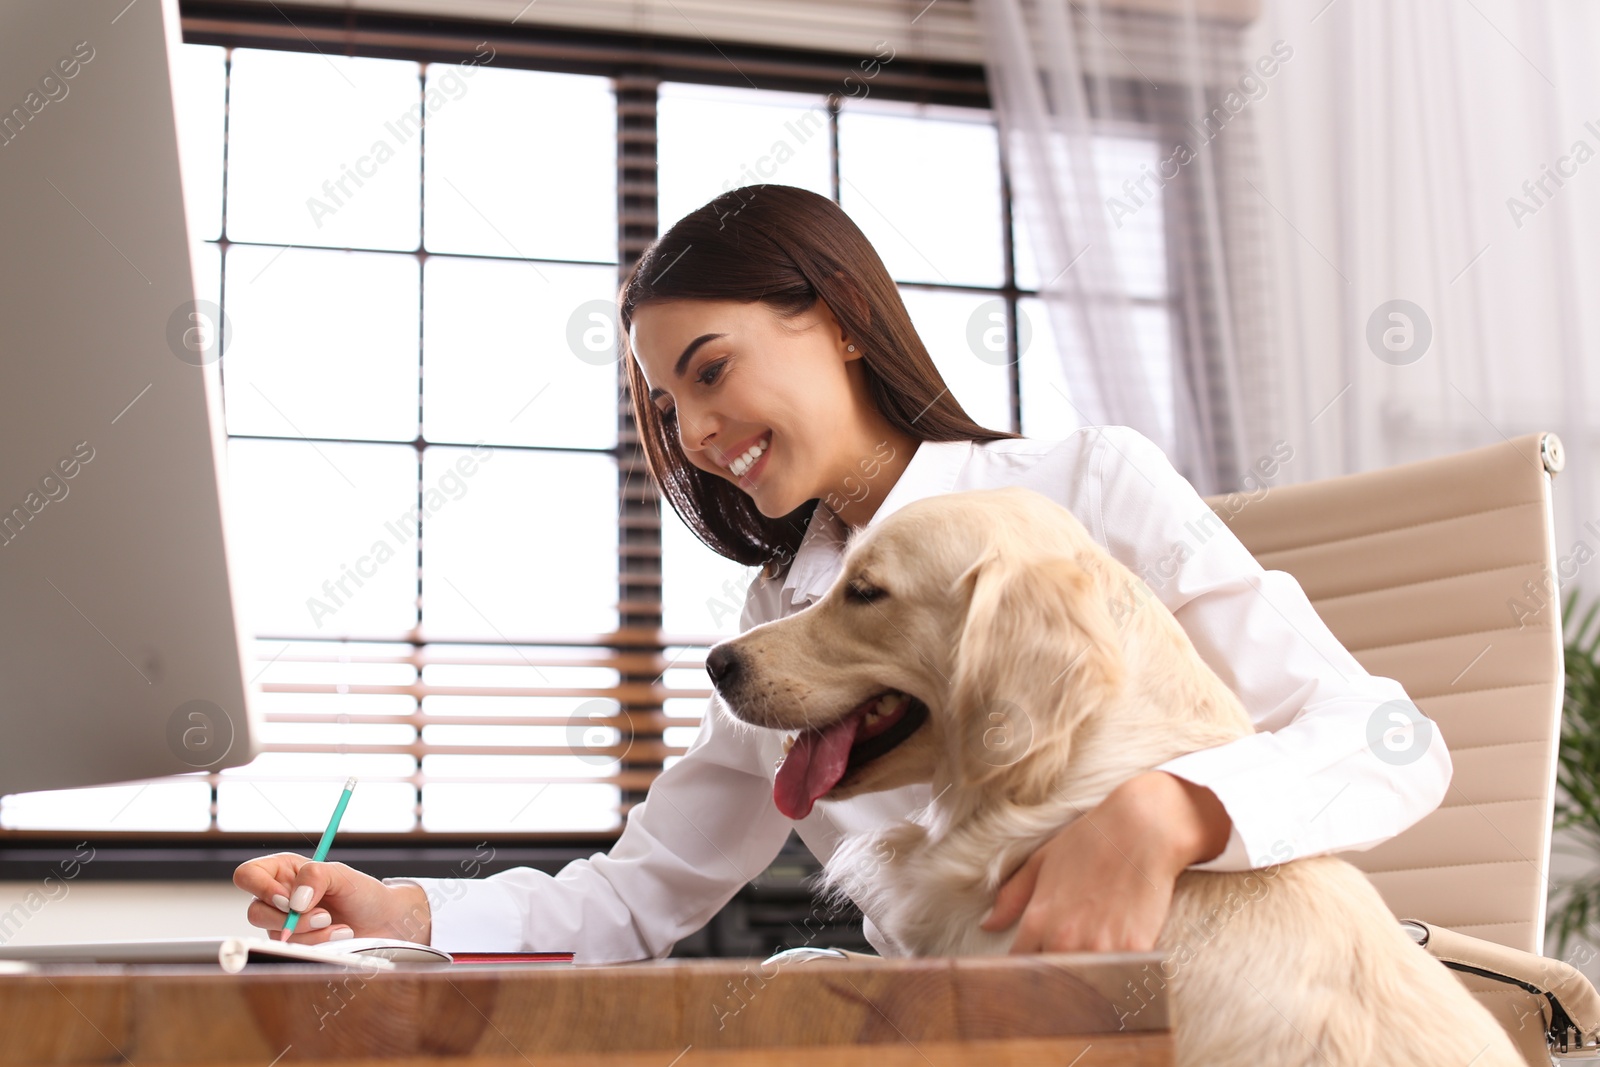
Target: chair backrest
x=1442 y=575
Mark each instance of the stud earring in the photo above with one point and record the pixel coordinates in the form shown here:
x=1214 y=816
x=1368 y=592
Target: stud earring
x=850 y=348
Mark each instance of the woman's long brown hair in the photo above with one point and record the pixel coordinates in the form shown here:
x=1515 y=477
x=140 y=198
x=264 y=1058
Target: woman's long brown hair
x=785 y=247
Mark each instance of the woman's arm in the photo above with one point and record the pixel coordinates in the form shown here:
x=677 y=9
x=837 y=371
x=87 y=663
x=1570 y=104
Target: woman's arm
x=707 y=827
x=1341 y=759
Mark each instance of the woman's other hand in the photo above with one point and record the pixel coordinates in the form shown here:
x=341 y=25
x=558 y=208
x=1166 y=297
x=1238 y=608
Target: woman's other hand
x=1104 y=883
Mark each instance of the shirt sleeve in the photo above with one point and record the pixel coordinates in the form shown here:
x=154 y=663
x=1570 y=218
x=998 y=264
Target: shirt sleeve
x=706 y=827
x=1342 y=759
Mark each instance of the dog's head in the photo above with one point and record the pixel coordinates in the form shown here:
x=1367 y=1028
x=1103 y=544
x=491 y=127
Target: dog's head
x=966 y=634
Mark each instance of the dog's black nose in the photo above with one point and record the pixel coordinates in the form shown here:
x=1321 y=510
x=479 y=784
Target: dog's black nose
x=722 y=663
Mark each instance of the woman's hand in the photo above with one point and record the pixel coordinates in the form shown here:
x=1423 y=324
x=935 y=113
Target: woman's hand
x=1104 y=883
x=352 y=904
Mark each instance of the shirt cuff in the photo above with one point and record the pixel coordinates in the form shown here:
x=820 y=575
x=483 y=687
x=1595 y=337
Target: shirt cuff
x=1261 y=791
x=470 y=914
x=1217 y=769
x=1233 y=857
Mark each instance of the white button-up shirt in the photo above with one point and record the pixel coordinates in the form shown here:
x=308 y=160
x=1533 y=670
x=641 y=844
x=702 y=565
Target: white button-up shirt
x=1310 y=780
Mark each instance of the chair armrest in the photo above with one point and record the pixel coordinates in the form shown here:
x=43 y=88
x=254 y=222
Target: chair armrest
x=1573 y=1018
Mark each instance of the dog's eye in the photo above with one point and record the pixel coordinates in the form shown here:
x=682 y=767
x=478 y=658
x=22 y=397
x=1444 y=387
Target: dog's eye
x=862 y=593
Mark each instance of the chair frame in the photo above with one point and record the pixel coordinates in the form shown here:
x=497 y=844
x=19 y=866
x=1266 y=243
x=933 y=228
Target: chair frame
x=1517 y=985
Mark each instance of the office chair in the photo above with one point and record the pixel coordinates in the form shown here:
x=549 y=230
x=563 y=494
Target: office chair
x=1441 y=574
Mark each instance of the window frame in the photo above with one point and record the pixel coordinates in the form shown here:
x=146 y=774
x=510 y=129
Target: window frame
x=636 y=64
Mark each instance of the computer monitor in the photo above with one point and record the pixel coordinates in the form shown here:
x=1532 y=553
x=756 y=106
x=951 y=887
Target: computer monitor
x=121 y=653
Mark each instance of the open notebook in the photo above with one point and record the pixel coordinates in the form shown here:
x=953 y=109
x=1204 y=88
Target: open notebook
x=369 y=953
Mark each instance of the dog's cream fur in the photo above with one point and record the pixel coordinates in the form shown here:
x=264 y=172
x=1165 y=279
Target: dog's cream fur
x=1052 y=674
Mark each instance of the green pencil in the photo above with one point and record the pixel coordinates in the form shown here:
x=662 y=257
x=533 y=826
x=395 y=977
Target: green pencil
x=323 y=846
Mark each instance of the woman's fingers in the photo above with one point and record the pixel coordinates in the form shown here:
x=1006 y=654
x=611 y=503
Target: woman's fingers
x=271 y=919
x=333 y=899
x=314 y=927
x=281 y=883
x=333 y=933
x=1012 y=899
x=311 y=882
x=268 y=876
x=1026 y=941
x=264 y=915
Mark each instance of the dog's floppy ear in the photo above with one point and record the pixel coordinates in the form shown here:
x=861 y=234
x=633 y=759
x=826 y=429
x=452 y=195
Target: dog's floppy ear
x=1038 y=652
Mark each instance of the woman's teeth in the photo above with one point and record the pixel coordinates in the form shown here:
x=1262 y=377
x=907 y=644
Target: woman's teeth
x=743 y=463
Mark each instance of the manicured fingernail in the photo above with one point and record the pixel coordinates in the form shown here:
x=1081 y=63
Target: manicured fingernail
x=280 y=902
x=341 y=933
x=318 y=920
x=300 y=900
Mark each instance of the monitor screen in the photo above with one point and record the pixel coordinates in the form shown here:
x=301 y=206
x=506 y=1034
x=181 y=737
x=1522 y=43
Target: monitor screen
x=121 y=650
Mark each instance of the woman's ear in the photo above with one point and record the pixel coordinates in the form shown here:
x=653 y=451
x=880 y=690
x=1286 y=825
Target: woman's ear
x=848 y=304
x=1038 y=652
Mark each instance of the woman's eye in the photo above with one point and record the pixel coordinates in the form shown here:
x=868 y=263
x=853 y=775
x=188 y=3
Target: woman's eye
x=708 y=376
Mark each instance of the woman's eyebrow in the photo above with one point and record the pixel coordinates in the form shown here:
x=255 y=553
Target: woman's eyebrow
x=683 y=360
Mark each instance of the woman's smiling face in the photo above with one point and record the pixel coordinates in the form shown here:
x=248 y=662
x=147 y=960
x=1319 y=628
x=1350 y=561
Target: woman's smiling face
x=740 y=385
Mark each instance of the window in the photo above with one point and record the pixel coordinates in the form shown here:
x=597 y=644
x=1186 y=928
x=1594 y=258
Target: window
x=1139 y=245
x=458 y=593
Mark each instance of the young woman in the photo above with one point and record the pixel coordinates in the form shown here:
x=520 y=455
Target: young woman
x=784 y=401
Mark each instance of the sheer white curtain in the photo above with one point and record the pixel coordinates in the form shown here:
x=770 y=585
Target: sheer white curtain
x=1441 y=153
x=1326 y=167
x=1069 y=80
x=1040 y=85
x=1446 y=154
x=1389 y=251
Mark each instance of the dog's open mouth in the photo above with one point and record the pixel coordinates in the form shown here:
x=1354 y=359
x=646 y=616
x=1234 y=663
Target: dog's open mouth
x=820 y=757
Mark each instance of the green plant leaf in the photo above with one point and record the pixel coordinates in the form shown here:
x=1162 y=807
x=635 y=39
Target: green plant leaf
x=1575 y=904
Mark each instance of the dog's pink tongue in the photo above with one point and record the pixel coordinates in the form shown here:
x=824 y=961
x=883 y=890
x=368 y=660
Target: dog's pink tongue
x=816 y=761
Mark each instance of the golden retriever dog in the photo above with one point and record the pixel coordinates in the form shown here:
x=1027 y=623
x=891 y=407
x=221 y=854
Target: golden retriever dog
x=1039 y=673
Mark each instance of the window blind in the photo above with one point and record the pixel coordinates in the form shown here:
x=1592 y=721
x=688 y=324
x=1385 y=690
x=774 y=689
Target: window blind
x=571 y=726
x=941 y=30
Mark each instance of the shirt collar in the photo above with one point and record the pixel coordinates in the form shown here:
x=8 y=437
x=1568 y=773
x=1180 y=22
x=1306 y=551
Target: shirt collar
x=932 y=470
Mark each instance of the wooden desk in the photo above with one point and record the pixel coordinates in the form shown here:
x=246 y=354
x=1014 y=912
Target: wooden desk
x=1057 y=1009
